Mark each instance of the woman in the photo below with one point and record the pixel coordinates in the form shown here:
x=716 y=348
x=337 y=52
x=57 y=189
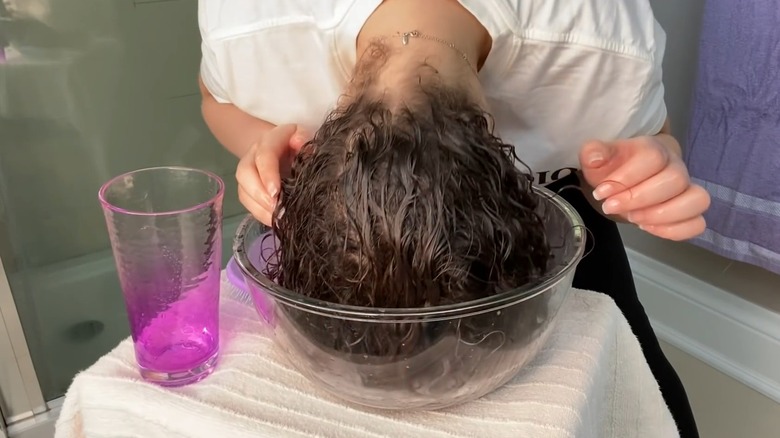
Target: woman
x=574 y=85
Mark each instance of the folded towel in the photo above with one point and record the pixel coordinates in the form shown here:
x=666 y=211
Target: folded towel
x=589 y=380
x=733 y=147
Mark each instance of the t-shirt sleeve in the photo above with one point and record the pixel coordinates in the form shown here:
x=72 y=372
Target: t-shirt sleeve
x=210 y=71
x=651 y=112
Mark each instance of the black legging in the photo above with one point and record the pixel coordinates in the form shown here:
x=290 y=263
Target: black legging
x=606 y=269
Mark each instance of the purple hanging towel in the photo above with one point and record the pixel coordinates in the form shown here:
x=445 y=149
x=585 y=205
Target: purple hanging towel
x=733 y=146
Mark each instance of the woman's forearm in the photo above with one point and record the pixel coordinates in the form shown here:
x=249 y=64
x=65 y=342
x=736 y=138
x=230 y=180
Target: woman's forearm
x=236 y=130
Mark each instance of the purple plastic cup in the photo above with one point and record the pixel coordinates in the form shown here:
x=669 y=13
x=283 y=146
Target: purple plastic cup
x=165 y=226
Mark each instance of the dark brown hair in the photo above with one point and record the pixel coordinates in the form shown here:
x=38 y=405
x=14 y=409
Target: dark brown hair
x=407 y=205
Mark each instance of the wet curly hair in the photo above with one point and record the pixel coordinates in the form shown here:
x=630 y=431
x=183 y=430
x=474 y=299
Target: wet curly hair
x=408 y=205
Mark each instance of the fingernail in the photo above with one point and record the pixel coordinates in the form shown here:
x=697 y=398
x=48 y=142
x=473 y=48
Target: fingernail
x=273 y=190
x=647 y=228
x=596 y=159
x=610 y=206
x=300 y=138
x=603 y=191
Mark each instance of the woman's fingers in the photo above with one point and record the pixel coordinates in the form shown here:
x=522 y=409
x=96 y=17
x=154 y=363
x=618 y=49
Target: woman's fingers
x=644 y=180
x=248 y=177
x=693 y=202
x=611 y=168
x=251 y=191
x=270 y=151
x=665 y=185
x=260 y=212
x=678 y=231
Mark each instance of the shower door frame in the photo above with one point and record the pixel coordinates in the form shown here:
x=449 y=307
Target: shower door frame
x=21 y=397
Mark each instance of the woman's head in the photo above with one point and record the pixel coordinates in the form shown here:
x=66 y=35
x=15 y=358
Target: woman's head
x=407 y=202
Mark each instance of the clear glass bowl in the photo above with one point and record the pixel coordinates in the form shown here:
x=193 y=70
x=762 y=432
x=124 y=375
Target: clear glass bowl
x=421 y=358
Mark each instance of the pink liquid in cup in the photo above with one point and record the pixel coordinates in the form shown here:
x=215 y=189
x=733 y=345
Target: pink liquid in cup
x=182 y=340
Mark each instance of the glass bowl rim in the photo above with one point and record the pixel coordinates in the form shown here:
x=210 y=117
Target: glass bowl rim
x=374 y=314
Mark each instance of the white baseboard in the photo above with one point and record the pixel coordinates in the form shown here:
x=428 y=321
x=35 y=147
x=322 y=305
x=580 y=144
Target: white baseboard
x=733 y=335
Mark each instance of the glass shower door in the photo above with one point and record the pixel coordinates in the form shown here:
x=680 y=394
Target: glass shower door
x=88 y=89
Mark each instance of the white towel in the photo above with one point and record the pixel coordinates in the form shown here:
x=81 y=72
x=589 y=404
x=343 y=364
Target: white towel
x=589 y=380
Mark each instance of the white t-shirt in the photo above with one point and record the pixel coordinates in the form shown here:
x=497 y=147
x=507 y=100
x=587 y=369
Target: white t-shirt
x=560 y=72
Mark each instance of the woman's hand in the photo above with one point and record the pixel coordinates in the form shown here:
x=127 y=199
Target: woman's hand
x=260 y=169
x=643 y=180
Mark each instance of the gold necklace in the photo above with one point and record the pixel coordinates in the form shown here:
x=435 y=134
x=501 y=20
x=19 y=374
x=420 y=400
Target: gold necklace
x=405 y=36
